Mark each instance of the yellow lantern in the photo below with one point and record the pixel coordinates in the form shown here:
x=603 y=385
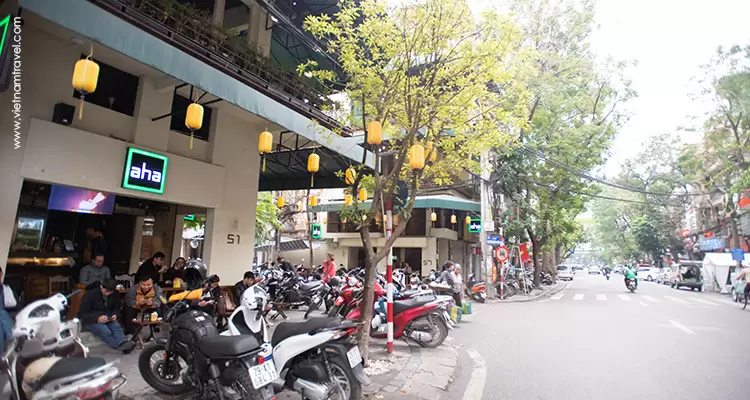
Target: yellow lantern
x=364 y=217
x=299 y=206
x=313 y=201
x=374 y=133
x=467 y=220
x=453 y=219
x=416 y=156
x=313 y=165
x=432 y=152
x=265 y=143
x=280 y=202
x=362 y=194
x=325 y=220
x=348 y=200
x=433 y=217
x=85 y=78
x=351 y=176
x=194 y=119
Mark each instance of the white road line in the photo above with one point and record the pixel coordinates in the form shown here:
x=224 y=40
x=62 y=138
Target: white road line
x=558 y=296
x=651 y=299
x=475 y=390
x=677 y=299
x=643 y=303
x=730 y=302
x=682 y=327
x=710 y=303
x=601 y=297
x=579 y=296
x=624 y=297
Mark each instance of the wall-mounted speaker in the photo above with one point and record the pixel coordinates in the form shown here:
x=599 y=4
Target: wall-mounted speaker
x=63 y=114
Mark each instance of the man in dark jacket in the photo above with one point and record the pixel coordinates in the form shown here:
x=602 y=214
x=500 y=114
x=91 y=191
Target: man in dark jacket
x=153 y=267
x=239 y=288
x=284 y=264
x=98 y=313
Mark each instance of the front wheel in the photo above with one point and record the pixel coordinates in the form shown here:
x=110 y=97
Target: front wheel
x=439 y=331
x=344 y=386
x=163 y=371
x=314 y=305
x=479 y=297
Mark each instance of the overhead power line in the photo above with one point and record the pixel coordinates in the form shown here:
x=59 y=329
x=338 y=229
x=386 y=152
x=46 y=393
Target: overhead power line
x=592 y=194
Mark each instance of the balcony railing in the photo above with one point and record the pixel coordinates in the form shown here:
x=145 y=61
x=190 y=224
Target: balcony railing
x=190 y=30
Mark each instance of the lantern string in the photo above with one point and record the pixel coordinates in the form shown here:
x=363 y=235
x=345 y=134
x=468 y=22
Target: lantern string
x=263 y=156
x=312 y=180
x=80 y=109
x=191 y=139
x=91 y=52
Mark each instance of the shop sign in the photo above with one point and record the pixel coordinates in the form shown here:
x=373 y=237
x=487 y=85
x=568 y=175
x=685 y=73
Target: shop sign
x=317 y=231
x=738 y=254
x=745 y=224
x=712 y=243
x=475 y=226
x=145 y=171
x=494 y=240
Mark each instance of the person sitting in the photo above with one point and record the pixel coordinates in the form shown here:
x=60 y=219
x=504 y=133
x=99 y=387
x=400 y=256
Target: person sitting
x=142 y=296
x=7 y=301
x=93 y=274
x=211 y=296
x=177 y=271
x=98 y=313
x=239 y=288
x=153 y=267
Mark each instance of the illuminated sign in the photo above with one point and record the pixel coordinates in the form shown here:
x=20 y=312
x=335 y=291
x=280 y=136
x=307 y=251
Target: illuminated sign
x=145 y=171
x=317 y=231
x=475 y=226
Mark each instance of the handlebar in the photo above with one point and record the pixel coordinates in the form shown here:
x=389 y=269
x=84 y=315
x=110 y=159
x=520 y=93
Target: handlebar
x=73 y=294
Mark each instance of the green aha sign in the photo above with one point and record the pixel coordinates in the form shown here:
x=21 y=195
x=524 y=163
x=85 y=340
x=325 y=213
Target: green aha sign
x=475 y=226
x=317 y=231
x=145 y=171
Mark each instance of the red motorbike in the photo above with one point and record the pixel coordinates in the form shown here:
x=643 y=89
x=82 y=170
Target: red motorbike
x=423 y=318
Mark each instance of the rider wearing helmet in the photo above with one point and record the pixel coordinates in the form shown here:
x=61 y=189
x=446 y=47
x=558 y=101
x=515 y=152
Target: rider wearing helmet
x=630 y=273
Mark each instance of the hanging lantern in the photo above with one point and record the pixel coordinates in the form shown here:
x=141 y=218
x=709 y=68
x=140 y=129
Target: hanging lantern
x=299 y=205
x=433 y=216
x=362 y=194
x=374 y=133
x=453 y=219
x=85 y=78
x=313 y=165
x=194 y=119
x=325 y=220
x=416 y=156
x=265 y=143
x=313 y=201
x=280 y=202
x=348 y=200
x=432 y=152
x=351 y=176
x=467 y=220
x=364 y=217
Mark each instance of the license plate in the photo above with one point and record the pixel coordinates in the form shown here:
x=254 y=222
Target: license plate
x=354 y=357
x=262 y=375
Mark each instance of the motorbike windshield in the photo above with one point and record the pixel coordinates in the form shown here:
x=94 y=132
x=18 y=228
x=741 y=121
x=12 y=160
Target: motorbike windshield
x=254 y=296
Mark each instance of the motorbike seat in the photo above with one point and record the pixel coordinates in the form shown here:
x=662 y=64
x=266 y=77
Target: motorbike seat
x=286 y=330
x=310 y=286
x=403 y=305
x=409 y=293
x=228 y=346
x=67 y=367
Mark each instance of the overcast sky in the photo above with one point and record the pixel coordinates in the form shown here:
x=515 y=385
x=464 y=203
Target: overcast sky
x=670 y=39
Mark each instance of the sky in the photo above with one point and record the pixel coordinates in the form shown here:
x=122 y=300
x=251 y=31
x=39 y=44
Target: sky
x=669 y=39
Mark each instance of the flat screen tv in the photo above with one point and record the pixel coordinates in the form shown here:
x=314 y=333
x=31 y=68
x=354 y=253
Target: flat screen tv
x=65 y=198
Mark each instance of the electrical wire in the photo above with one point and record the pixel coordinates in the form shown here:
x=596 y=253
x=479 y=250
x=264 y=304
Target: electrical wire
x=593 y=195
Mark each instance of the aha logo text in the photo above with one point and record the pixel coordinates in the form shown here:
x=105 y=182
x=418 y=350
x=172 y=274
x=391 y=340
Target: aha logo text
x=143 y=173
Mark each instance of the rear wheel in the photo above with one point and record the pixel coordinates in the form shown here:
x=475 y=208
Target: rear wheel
x=239 y=381
x=161 y=372
x=744 y=303
x=734 y=295
x=344 y=386
x=439 y=331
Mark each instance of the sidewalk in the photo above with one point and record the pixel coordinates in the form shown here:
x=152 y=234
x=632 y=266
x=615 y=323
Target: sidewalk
x=538 y=293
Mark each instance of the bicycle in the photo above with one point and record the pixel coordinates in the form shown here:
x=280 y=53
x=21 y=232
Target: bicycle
x=742 y=299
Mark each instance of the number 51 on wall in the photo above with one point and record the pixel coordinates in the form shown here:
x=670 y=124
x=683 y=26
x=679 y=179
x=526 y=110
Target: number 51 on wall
x=233 y=239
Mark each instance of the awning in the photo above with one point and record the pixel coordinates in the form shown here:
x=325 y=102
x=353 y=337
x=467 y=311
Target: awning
x=439 y=201
x=289 y=245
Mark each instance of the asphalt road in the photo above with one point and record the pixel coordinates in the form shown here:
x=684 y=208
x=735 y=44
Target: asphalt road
x=595 y=340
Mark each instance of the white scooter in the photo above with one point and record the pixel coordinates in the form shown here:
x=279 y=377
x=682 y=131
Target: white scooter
x=318 y=358
x=46 y=359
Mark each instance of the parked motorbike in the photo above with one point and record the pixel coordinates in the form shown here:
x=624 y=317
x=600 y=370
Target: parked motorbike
x=630 y=284
x=195 y=358
x=46 y=359
x=476 y=290
x=318 y=358
x=295 y=293
x=546 y=278
x=348 y=296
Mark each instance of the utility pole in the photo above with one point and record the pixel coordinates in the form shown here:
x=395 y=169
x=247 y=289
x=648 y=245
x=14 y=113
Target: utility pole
x=735 y=237
x=486 y=265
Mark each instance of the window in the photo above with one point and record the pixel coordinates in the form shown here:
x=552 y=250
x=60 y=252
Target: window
x=115 y=90
x=177 y=123
x=562 y=267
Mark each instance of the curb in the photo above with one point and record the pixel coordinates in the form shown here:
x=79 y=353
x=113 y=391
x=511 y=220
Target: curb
x=559 y=286
x=395 y=383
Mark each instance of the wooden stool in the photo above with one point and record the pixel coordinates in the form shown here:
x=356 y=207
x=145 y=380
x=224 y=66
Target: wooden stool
x=140 y=323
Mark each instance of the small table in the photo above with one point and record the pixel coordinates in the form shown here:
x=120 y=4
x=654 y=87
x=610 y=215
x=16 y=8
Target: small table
x=140 y=323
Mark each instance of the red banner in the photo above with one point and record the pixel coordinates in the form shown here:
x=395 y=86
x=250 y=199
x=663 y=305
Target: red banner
x=524 y=249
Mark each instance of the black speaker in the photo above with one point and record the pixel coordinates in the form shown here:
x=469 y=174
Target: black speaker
x=63 y=114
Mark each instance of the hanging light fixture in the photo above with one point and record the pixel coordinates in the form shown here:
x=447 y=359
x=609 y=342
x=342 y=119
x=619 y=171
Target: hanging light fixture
x=374 y=133
x=265 y=143
x=416 y=156
x=467 y=220
x=453 y=219
x=433 y=216
x=299 y=205
x=348 y=200
x=313 y=165
x=431 y=152
x=364 y=217
x=325 y=220
x=362 y=194
x=194 y=120
x=350 y=176
x=85 y=78
x=313 y=201
x=280 y=202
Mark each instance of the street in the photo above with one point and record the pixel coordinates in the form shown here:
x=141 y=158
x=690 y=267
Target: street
x=595 y=340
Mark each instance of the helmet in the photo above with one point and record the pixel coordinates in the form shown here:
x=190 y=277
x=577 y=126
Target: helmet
x=195 y=273
x=334 y=281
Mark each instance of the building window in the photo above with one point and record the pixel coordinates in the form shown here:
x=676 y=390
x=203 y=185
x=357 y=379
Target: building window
x=177 y=123
x=115 y=90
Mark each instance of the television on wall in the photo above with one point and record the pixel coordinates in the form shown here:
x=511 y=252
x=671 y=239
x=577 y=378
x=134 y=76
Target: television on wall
x=65 y=198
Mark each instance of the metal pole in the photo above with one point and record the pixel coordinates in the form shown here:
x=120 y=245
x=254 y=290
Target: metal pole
x=735 y=238
x=389 y=271
x=486 y=269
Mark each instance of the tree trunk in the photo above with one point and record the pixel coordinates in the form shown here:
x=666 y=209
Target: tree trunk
x=558 y=255
x=366 y=306
x=549 y=259
x=536 y=247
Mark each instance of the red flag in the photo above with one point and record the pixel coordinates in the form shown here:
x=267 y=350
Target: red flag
x=524 y=249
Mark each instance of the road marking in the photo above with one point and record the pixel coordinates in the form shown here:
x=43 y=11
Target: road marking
x=651 y=299
x=682 y=327
x=676 y=299
x=475 y=390
x=579 y=296
x=601 y=297
x=730 y=302
x=558 y=296
x=710 y=303
x=624 y=297
x=643 y=303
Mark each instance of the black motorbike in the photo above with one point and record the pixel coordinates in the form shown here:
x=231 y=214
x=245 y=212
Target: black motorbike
x=294 y=292
x=194 y=358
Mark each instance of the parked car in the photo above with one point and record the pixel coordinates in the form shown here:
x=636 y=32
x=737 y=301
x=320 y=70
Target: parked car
x=648 y=273
x=577 y=268
x=595 y=269
x=663 y=277
x=689 y=275
x=738 y=288
x=565 y=272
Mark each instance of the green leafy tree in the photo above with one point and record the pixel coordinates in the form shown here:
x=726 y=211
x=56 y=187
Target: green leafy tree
x=266 y=217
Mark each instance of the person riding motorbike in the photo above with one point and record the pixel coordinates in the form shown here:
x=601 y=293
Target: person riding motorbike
x=630 y=273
